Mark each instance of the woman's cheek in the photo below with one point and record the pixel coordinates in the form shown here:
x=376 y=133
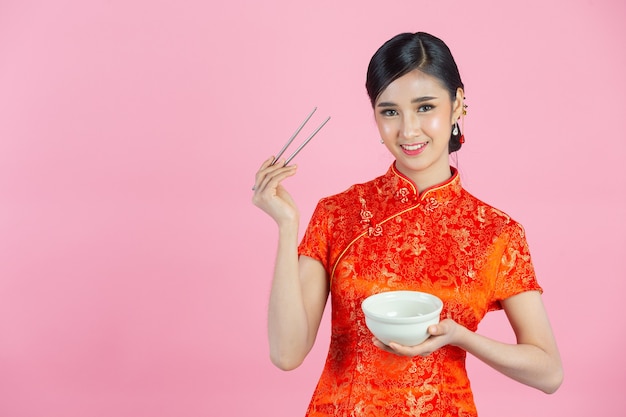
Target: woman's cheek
x=433 y=124
x=386 y=129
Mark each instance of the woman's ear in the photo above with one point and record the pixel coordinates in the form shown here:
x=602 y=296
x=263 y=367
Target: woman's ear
x=457 y=105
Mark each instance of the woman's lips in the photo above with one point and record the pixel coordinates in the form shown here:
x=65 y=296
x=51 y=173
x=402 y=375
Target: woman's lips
x=414 y=148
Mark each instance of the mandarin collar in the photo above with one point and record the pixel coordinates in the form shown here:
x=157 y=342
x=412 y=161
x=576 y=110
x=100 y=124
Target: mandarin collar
x=405 y=189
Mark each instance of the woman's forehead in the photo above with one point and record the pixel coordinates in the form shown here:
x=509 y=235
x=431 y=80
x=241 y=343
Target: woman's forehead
x=413 y=84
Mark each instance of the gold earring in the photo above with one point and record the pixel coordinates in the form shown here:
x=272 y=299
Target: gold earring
x=462 y=138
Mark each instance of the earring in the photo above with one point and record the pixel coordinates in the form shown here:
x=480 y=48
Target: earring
x=382 y=141
x=462 y=138
x=456 y=132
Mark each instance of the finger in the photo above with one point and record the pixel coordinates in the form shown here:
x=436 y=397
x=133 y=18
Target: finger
x=267 y=162
x=379 y=344
x=434 y=330
x=392 y=347
x=269 y=166
x=411 y=351
x=442 y=328
x=382 y=346
x=272 y=179
x=399 y=349
x=266 y=167
x=423 y=349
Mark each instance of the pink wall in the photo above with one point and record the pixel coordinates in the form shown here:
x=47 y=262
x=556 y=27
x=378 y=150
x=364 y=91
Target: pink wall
x=134 y=271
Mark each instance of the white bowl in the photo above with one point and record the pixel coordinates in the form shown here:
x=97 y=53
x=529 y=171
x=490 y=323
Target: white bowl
x=401 y=316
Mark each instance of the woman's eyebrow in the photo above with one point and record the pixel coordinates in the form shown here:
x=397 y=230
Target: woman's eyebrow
x=423 y=99
x=415 y=100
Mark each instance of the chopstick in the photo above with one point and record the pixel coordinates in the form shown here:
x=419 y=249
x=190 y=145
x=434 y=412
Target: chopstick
x=306 y=141
x=293 y=155
x=286 y=145
x=284 y=148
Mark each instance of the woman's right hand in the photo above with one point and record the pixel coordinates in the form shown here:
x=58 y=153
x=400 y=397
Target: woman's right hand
x=270 y=196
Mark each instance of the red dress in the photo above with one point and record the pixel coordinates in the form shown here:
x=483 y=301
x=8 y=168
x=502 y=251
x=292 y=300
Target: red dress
x=383 y=235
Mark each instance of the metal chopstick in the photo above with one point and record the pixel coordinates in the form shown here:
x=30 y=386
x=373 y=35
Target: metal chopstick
x=284 y=148
x=293 y=155
x=286 y=145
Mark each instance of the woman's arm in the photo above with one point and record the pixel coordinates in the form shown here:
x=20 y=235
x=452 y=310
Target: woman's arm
x=534 y=360
x=297 y=300
x=300 y=286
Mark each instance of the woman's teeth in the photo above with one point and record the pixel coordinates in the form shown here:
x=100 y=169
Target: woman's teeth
x=413 y=147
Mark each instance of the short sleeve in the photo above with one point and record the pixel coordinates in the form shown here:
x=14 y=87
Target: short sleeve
x=315 y=243
x=516 y=273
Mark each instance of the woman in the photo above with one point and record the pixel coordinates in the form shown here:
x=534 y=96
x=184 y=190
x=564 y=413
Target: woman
x=414 y=228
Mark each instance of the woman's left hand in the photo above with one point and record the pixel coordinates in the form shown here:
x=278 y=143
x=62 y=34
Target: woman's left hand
x=441 y=334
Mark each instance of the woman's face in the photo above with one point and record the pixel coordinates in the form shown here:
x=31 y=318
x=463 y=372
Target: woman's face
x=415 y=117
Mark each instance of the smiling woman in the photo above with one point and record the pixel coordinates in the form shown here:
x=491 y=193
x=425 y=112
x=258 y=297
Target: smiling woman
x=130 y=134
x=402 y=55
x=415 y=117
x=414 y=228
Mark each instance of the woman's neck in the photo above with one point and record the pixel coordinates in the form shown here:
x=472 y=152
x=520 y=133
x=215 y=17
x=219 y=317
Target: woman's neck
x=426 y=179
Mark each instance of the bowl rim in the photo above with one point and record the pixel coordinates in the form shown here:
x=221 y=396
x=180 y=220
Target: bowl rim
x=402 y=294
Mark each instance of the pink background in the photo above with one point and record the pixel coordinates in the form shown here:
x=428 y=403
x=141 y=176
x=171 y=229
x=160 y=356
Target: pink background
x=134 y=271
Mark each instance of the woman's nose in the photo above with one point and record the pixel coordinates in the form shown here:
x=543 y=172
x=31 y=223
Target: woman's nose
x=410 y=126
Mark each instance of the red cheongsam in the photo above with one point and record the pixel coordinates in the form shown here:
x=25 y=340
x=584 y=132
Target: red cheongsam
x=383 y=235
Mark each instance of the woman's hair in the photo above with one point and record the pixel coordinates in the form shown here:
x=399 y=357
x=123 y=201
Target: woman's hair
x=409 y=51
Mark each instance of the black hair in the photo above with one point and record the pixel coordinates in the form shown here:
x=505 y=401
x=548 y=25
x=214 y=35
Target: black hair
x=409 y=51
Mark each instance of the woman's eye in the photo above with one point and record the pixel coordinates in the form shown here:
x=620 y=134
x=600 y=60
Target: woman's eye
x=425 y=108
x=389 y=113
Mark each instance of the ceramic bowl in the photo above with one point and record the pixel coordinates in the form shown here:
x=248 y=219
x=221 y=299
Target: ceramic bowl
x=401 y=316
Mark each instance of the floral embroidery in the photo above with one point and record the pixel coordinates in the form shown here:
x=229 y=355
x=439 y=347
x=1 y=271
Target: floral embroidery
x=366 y=215
x=366 y=219
x=450 y=244
x=402 y=195
x=430 y=204
x=375 y=230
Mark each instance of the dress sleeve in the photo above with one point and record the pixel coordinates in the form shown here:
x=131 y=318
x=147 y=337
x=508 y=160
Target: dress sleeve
x=315 y=243
x=516 y=273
